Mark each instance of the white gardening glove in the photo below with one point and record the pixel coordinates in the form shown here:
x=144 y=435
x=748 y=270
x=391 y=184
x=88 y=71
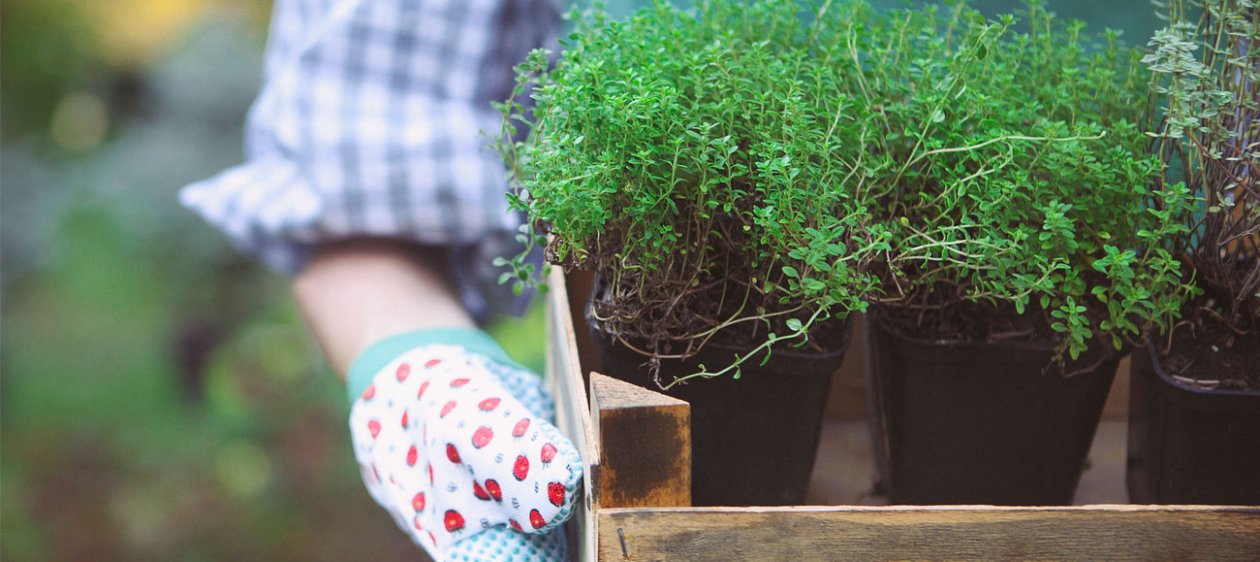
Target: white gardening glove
x=455 y=442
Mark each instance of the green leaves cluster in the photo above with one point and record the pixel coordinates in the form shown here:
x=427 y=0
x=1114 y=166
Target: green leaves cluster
x=1013 y=169
x=756 y=168
x=698 y=160
x=1206 y=85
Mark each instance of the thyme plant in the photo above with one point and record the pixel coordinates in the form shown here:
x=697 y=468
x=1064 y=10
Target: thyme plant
x=702 y=162
x=1012 y=171
x=1206 y=85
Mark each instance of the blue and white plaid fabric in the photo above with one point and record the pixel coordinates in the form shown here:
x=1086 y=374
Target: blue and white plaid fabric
x=370 y=122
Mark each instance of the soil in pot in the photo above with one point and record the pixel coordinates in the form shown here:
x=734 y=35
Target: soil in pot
x=1214 y=357
x=1194 y=421
x=981 y=422
x=753 y=439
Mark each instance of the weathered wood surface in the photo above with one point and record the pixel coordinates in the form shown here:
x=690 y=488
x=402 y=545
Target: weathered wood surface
x=645 y=445
x=805 y=534
x=573 y=416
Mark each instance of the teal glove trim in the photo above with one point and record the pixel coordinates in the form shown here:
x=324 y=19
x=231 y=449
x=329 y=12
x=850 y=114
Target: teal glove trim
x=381 y=353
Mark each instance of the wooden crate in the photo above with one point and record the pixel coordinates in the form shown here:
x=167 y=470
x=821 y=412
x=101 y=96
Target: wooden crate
x=635 y=445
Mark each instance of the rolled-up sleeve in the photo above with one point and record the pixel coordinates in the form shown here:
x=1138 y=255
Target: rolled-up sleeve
x=374 y=120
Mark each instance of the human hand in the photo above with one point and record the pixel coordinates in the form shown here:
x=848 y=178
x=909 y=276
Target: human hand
x=453 y=440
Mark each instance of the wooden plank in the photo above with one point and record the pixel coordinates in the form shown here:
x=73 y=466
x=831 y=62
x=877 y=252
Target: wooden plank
x=573 y=415
x=803 y=534
x=645 y=445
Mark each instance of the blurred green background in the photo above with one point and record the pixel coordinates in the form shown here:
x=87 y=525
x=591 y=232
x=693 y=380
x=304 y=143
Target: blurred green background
x=159 y=399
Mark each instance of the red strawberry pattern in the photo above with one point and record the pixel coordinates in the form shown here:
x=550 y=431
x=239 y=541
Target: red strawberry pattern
x=446 y=409
x=520 y=428
x=458 y=407
x=520 y=469
x=555 y=493
x=492 y=487
x=480 y=492
x=453 y=520
x=482 y=437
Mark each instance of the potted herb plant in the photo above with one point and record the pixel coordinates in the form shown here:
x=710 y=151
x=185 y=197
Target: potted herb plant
x=700 y=163
x=1013 y=177
x=1194 y=425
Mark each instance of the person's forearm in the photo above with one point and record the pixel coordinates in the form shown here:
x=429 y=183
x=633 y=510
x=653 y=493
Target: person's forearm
x=356 y=292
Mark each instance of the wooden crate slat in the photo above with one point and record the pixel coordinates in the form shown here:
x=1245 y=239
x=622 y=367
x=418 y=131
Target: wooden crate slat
x=645 y=445
x=573 y=416
x=804 y=534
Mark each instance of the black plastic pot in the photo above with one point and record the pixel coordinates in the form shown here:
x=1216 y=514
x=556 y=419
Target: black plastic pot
x=980 y=422
x=1190 y=445
x=754 y=439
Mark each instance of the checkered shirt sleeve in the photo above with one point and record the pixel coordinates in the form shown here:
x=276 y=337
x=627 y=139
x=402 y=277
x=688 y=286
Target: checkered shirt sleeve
x=373 y=120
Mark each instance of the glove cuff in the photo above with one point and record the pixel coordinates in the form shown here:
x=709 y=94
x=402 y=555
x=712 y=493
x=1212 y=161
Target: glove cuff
x=381 y=353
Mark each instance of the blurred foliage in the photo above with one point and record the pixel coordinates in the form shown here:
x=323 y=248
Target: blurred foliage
x=49 y=48
x=159 y=399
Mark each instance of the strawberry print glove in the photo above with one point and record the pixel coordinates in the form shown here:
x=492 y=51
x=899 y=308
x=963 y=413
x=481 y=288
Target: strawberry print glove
x=453 y=439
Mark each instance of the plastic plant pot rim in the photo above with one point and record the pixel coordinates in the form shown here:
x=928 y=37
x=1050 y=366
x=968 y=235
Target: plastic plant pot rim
x=1038 y=346
x=1244 y=401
